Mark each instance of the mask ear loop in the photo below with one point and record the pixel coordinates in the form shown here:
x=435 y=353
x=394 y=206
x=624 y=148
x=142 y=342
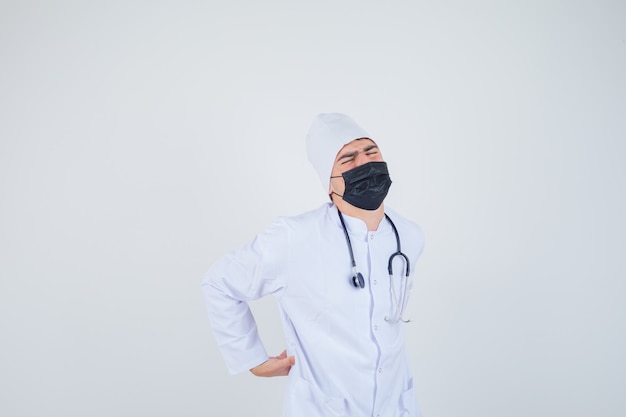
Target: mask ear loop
x=331 y=198
x=357 y=278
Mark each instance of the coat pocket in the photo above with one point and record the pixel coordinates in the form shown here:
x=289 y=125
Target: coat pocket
x=307 y=399
x=408 y=402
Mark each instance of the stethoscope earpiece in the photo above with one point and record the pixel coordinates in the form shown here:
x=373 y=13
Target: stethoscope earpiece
x=390 y=320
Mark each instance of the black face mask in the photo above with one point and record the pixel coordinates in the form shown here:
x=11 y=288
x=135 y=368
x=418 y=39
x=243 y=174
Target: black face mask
x=366 y=185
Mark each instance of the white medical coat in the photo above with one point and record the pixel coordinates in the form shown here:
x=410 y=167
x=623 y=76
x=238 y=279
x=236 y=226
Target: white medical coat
x=350 y=361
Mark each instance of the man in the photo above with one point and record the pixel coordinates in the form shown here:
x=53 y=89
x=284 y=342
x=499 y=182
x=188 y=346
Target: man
x=341 y=308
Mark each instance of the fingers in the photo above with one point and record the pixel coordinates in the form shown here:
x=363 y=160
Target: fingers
x=290 y=361
x=283 y=366
x=275 y=366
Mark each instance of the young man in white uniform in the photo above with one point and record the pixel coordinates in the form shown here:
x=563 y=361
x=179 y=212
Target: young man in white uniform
x=342 y=314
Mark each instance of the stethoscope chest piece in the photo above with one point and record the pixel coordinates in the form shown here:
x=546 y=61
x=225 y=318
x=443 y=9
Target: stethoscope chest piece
x=358 y=280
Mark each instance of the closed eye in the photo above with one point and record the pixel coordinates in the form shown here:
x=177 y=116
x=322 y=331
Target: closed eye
x=371 y=150
x=350 y=156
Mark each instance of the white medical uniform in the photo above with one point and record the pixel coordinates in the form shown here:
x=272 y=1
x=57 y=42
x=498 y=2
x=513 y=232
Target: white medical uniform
x=350 y=361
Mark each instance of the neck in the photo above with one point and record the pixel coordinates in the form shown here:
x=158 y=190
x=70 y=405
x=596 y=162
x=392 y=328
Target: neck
x=371 y=218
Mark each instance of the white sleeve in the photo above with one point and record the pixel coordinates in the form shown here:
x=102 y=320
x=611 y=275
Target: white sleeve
x=248 y=273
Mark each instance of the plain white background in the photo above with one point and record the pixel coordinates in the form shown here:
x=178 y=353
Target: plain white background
x=142 y=140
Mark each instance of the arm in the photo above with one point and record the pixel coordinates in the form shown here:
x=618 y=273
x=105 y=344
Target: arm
x=248 y=273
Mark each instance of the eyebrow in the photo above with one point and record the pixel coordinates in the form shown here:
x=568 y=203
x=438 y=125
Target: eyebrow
x=354 y=153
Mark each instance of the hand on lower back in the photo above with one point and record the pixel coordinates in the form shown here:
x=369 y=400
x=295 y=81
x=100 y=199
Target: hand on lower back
x=275 y=366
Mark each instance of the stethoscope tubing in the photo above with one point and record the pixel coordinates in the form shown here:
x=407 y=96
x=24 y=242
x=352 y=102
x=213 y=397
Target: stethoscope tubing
x=359 y=281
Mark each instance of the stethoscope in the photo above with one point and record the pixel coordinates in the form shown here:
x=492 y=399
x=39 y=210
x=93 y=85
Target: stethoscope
x=359 y=282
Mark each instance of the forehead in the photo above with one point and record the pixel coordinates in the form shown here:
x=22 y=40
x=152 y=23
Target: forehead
x=356 y=145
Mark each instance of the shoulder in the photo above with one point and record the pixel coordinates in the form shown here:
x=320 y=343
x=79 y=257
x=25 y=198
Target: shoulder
x=308 y=226
x=312 y=218
x=405 y=225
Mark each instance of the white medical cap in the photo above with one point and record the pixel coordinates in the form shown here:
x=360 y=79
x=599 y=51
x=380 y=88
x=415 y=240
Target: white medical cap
x=327 y=135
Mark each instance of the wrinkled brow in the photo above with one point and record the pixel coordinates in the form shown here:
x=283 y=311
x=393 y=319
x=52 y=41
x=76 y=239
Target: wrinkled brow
x=355 y=153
